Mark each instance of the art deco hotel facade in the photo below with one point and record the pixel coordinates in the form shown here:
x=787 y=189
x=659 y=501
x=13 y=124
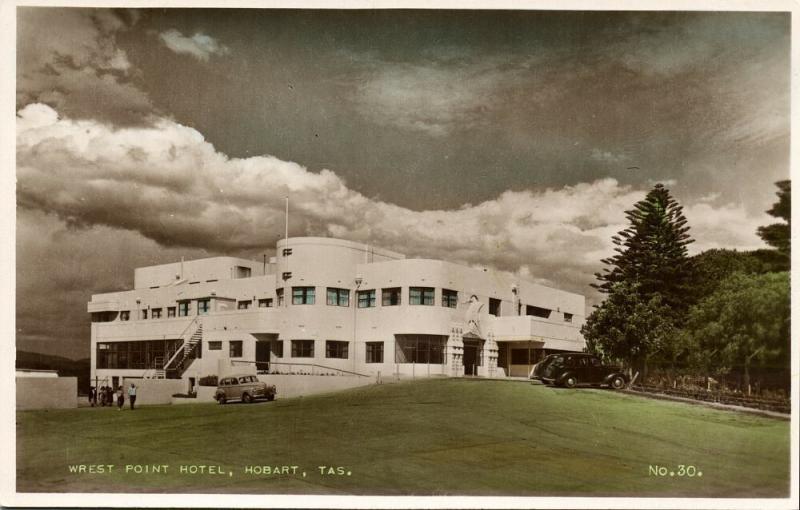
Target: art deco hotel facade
x=326 y=303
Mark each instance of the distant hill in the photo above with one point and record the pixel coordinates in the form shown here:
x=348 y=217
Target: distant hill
x=64 y=366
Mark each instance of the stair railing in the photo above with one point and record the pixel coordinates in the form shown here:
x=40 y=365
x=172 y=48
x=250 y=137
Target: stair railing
x=180 y=350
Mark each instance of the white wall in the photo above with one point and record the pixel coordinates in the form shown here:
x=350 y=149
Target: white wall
x=46 y=393
x=154 y=391
x=298 y=385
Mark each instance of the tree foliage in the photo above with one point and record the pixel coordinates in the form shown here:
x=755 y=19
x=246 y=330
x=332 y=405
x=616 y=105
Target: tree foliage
x=743 y=325
x=778 y=235
x=711 y=267
x=630 y=327
x=652 y=252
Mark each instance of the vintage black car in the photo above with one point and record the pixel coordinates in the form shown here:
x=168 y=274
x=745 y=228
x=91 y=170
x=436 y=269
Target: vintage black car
x=573 y=369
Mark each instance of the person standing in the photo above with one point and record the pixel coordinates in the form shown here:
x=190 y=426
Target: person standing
x=92 y=396
x=120 y=398
x=132 y=395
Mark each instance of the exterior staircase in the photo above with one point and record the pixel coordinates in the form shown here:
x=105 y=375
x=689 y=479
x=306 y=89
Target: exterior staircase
x=176 y=363
x=180 y=361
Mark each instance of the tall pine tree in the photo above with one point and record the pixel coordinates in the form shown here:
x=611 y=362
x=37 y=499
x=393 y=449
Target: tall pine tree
x=647 y=282
x=651 y=252
x=779 y=235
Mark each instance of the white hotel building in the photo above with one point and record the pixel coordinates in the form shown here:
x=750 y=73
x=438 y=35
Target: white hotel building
x=328 y=304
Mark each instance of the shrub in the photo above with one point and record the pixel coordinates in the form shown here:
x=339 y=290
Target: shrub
x=209 y=380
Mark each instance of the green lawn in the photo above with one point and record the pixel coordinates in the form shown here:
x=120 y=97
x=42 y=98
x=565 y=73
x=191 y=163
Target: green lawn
x=448 y=436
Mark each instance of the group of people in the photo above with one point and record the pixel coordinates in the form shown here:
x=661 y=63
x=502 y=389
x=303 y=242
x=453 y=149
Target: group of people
x=105 y=396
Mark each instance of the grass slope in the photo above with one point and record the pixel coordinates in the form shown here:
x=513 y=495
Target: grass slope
x=450 y=436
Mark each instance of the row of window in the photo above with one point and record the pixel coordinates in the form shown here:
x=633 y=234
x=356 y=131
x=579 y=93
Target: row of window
x=368 y=298
x=136 y=355
x=408 y=349
x=234 y=347
x=424 y=296
x=148 y=354
x=182 y=310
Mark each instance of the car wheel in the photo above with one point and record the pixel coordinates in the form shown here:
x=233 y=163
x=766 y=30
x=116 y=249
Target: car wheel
x=246 y=398
x=618 y=382
x=570 y=381
x=271 y=398
x=221 y=400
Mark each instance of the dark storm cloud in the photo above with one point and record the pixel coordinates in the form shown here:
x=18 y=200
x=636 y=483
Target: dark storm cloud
x=69 y=59
x=401 y=104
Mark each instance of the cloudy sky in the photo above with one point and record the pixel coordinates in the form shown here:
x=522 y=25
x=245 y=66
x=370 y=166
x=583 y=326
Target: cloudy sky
x=512 y=140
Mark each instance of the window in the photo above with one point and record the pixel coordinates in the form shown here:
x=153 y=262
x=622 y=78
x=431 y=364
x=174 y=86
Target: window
x=265 y=303
x=243 y=305
x=391 y=297
x=287 y=252
x=134 y=355
x=170 y=311
x=302 y=348
x=567 y=317
x=279 y=294
x=420 y=349
x=235 y=350
x=125 y=315
x=183 y=309
x=420 y=296
x=537 y=311
x=277 y=348
x=374 y=352
x=366 y=298
x=494 y=307
x=202 y=306
x=338 y=297
x=155 y=313
x=144 y=314
x=335 y=349
x=103 y=316
x=449 y=298
x=243 y=272
x=302 y=295
x=214 y=346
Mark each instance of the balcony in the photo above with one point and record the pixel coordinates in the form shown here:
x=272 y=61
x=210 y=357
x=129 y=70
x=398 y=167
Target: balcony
x=102 y=306
x=563 y=336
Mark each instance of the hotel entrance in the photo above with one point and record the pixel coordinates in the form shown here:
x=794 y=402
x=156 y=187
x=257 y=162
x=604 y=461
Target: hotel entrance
x=473 y=355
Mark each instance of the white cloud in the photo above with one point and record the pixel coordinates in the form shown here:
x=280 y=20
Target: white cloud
x=200 y=46
x=167 y=183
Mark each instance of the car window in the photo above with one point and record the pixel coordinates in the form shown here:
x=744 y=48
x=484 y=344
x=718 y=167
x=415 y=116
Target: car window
x=253 y=378
x=596 y=362
x=243 y=380
x=584 y=362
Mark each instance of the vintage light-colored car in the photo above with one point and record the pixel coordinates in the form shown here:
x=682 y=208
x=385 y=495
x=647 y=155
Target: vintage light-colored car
x=244 y=387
